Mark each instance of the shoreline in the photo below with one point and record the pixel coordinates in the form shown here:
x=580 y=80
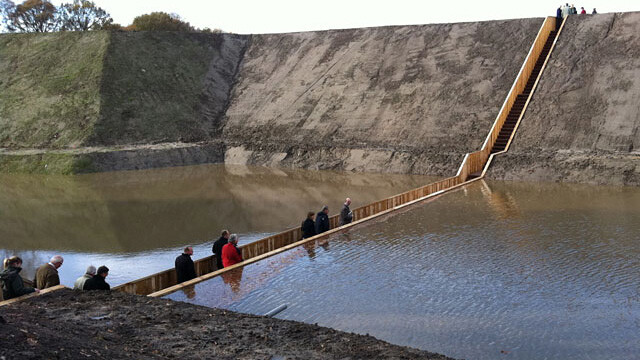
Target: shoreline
x=107 y=325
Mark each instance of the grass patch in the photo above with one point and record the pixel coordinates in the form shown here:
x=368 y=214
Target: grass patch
x=50 y=88
x=153 y=82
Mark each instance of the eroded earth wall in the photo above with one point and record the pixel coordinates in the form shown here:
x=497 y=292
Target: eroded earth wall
x=410 y=99
x=583 y=122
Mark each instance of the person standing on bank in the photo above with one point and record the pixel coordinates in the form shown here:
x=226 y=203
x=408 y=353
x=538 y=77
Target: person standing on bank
x=217 y=247
x=566 y=10
x=79 y=284
x=594 y=11
x=308 y=226
x=583 y=11
x=12 y=284
x=231 y=255
x=346 y=216
x=97 y=282
x=185 y=269
x=47 y=274
x=322 y=220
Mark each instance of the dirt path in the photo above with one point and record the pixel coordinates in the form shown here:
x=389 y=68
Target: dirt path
x=71 y=325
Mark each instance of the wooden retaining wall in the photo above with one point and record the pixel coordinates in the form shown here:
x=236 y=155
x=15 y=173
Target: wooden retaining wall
x=28 y=296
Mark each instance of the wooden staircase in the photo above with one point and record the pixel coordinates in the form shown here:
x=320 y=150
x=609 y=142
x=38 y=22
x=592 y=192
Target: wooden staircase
x=506 y=132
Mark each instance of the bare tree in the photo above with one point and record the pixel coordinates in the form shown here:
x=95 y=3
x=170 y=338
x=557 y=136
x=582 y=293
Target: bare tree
x=83 y=15
x=30 y=16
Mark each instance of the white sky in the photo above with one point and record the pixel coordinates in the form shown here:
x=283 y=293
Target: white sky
x=274 y=16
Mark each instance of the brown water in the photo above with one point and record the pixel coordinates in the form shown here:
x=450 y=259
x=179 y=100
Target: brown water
x=136 y=222
x=495 y=270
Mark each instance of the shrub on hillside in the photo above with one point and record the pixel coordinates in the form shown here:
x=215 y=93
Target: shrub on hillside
x=160 y=21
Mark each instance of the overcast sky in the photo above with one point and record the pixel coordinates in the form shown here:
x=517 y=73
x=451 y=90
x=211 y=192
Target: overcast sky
x=273 y=16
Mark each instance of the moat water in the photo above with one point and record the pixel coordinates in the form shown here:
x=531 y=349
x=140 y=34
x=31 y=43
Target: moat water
x=137 y=222
x=494 y=270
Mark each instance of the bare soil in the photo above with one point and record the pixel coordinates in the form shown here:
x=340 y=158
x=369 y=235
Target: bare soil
x=403 y=99
x=67 y=324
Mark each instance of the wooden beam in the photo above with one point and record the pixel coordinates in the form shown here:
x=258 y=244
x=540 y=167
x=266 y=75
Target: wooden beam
x=33 y=294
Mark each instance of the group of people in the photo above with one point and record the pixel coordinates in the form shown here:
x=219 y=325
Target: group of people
x=566 y=10
x=321 y=224
x=47 y=276
x=226 y=253
x=226 y=250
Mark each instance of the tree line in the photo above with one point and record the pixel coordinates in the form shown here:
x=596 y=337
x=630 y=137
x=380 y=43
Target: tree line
x=81 y=15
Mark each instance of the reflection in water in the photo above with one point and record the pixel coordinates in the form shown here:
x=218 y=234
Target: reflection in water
x=500 y=269
x=136 y=222
x=233 y=278
x=189 y=291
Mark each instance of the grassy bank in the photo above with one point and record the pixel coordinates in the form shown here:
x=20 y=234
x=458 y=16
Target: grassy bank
x=49 y=88
x=72 y=89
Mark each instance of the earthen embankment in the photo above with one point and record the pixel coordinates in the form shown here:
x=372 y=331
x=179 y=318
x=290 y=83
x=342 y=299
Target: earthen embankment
x=409 y=99
x=583 y=122
x=403 y=99
x=66 y=324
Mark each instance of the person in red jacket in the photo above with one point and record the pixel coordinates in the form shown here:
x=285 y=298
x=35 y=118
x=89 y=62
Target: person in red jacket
x=230 y=252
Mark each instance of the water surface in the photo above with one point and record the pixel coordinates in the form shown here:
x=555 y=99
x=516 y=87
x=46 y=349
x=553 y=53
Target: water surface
x=137 y=222
x=495 y=270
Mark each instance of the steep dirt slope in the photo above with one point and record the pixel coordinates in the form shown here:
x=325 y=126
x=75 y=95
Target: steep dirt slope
x=399 y=99
x=583 y=122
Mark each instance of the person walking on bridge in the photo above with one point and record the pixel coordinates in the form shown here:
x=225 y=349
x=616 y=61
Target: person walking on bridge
x=47 y=274
x=322 y=220
x=217 y=247
x=12 y=284
x=346 y=215
x=231 y=255
x=185 y=268
x=308 y=227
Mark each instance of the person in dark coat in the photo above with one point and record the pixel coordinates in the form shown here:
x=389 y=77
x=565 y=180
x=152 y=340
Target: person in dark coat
x=322 y=220
x=230 y=253
x=558 y=18
x=346 y=216
x=97 y=282
x=308 y=226
x=12 y=284
x=185 y=269
x=217 y=247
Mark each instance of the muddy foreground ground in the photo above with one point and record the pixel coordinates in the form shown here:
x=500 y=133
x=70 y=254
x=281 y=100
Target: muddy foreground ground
x=71 y=325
